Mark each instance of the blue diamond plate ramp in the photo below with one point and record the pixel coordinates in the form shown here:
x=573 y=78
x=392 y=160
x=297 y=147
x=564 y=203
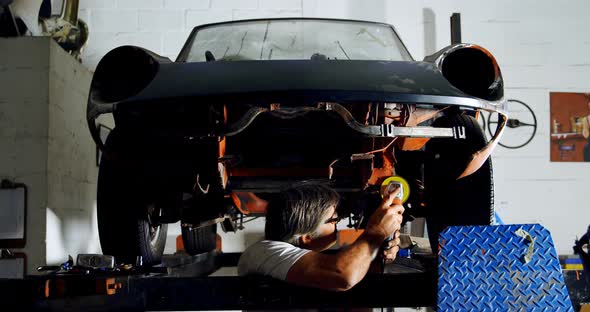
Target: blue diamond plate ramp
x=500 y=268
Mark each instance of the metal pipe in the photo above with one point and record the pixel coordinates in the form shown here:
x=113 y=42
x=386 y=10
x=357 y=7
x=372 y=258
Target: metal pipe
x=69 y=11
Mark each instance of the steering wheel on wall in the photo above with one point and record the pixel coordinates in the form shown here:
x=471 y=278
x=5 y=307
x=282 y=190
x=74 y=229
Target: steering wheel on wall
x=517 y=112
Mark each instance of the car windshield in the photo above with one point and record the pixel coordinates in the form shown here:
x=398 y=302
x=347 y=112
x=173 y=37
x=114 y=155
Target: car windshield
x=296 y=39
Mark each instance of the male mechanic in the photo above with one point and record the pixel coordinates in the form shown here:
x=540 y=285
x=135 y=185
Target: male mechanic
x=301 y=223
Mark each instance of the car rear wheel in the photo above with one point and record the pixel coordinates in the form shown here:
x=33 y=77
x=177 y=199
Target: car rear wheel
x=199 y=240
x=127 y=210
x=467 y=201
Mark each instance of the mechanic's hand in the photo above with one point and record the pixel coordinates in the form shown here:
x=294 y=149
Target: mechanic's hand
x=392 y=249
x=387 y=219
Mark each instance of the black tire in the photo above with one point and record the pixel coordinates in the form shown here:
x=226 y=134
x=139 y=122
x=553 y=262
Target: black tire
x=124 y=204
x=199 y=240
x=467 y=201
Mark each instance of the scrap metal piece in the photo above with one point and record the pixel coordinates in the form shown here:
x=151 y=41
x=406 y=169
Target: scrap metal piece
x=530 y=251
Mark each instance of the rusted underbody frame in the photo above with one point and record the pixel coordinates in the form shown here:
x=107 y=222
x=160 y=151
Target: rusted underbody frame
x=383 y=130
x=414 y=136
x=411 y=135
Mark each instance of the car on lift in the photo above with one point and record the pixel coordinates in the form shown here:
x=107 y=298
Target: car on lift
x=251 y=107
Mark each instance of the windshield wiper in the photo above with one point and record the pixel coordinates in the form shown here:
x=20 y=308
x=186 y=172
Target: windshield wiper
x=341 y=48
x=242 y=43
x=264 y=40
x=365 y=31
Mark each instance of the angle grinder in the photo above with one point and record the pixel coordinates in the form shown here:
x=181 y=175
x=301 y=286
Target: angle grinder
x=388 y=186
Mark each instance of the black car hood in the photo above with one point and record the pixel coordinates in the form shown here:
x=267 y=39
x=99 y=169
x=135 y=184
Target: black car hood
x=330 y=80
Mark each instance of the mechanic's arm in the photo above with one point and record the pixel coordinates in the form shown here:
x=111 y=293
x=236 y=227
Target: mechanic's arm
x=343 y=270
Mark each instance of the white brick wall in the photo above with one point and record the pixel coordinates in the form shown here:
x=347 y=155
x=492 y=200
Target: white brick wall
x=265 y=13
x=187 y=4
x=173 y=42
x=88 y=4
x=115 y=20
x=161 y=20
x=540 y=50
x=143 y=4
x=234 y=4
x=101 y=43
x=200 y=17
x=281 y=4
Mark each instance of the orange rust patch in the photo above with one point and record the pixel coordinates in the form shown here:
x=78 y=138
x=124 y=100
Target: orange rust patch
x=412 y=144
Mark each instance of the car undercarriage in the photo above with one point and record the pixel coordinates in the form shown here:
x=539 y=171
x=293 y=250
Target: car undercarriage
x=209 y=139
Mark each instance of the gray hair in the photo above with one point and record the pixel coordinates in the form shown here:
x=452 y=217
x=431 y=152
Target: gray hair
x=298 y=211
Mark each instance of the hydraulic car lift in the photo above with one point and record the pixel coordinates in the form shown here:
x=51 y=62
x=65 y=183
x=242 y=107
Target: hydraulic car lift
x=186 y=286
x=482 y=268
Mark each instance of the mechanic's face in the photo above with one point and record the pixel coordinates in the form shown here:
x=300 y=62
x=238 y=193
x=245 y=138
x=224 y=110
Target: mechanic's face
x=328 y=234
